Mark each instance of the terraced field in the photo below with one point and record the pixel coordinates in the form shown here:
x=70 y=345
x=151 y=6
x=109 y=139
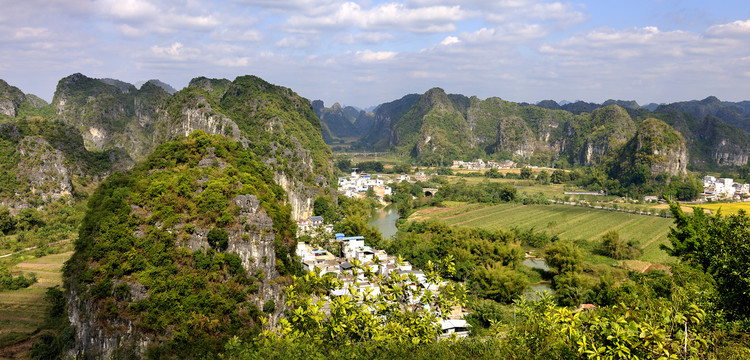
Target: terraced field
x=568 y=222
x=23 y=311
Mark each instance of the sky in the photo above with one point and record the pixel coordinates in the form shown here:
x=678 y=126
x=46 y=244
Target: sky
x=364 y=53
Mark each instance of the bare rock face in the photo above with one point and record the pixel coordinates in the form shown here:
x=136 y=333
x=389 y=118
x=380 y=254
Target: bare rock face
x=8 y=108
x=10 y=98
x=515 y=137
x=101 y=342
x=202 y=117
x=673 y=160
x=110 y=114
x=44 y=167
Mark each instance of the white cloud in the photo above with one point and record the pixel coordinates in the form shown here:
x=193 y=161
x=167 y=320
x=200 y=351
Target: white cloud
x=237 y=35
x=31 y=33
x=365 y=38
x=450 y=40
x=374 y=56
x=297 y=42
x=427 y=75
x=734 y=29
x=234 y=62
x=174 y=52
x=143 y=17
x=129 y=9
x=388 y=16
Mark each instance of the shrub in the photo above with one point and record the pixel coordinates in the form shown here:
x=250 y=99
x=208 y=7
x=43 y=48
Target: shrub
x=218 y=239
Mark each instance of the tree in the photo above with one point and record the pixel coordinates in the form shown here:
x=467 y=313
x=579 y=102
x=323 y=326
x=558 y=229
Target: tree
x=498 y=283
x=616 y=247
x=322 y=207
x=345 y=165
x=543 y=177
x=28 y=219
x=563 y=257
x=493 y=174
x=526 y=173
x=559 y=177
x=218 y=239
x=402 y=168
x=7 y=222
x=720 y=246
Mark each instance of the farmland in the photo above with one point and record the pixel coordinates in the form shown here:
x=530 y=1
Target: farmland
x=727 y=208
x=22 y=311
x=567 y=222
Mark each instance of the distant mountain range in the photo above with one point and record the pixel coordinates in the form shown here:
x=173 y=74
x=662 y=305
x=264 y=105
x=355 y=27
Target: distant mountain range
x=436 y=127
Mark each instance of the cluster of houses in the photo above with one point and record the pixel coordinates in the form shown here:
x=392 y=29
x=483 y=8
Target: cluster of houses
x=354 y=248
x=356 y=186
x=313 y=226
x=480 y=164
x=724 y=189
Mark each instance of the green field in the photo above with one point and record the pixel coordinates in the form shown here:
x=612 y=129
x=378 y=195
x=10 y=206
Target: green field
x=568 y=222
x=22 y=311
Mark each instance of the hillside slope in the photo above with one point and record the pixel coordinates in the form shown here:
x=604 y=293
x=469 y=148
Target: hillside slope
x=200 y=226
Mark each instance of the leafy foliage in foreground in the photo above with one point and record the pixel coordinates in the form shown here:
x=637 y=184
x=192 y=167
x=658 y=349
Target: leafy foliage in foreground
x=720 y=246
x=488 y=260
x=400 y=310
x=645 y=322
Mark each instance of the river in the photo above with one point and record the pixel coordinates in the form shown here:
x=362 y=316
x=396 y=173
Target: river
x=384 y=219
x=534 y=291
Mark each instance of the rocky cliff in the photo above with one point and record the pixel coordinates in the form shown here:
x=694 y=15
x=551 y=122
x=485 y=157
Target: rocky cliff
x=337 y=121
x=656 y=146
x=11 y=98
x=110 y=114
x=436 y=127
x=274 y=121
x=200 y=226
x=45 y=160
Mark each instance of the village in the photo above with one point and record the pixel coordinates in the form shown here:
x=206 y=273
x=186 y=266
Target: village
x=355 y=253
x=357 y=185
x=479 y=164
x=724 y=189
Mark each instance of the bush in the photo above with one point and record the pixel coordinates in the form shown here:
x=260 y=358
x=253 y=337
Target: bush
x=269 y=306
x=218 y=239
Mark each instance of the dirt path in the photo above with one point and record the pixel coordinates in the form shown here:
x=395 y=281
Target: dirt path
x=34 y=247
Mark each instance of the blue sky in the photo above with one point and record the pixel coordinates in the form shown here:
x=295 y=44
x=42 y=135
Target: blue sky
x=364 y=53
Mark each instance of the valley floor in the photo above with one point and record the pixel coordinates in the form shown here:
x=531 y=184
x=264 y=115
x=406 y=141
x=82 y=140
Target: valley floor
x=22 y=311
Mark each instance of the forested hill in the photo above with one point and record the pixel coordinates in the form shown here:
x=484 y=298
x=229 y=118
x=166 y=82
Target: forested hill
x=180 y=253
x=126 y=124
x=436 y=127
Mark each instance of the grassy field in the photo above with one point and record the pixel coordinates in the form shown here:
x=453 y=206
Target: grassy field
x=568 y=222
x=22 y=311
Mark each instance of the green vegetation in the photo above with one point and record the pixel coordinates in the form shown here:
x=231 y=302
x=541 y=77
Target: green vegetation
x=119 y=246
x=23 y=311
x=256 y=105
x=10 y=282
x=391 y=316
x=564 y=221
x=719 y=246
x=617 y=248
x=431 y=241
x=37 y=139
